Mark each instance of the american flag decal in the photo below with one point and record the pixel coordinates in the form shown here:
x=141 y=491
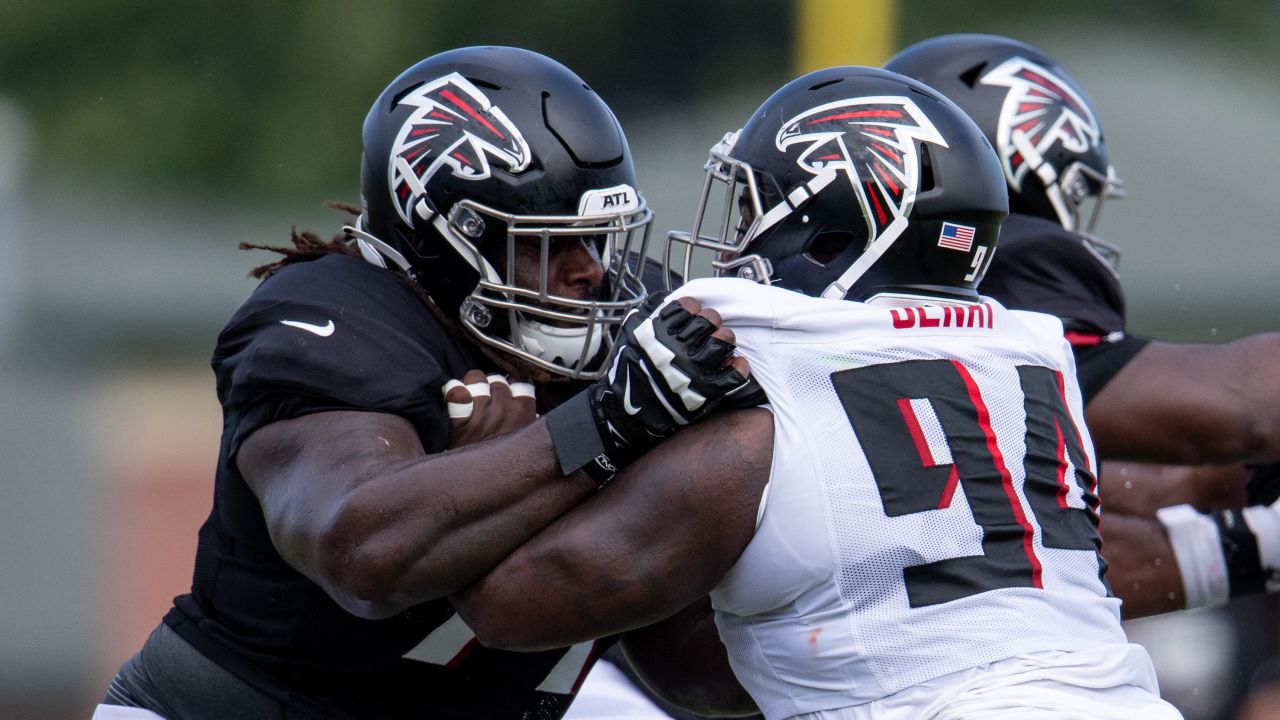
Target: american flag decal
x=956 y=237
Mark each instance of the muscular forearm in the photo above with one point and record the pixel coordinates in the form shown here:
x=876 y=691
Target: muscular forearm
x=1150 y=569
x=1193 y=404
x=1140 y=488
x=449 y=518
x=660 y=535
x=1141 y=567
x=382 y=526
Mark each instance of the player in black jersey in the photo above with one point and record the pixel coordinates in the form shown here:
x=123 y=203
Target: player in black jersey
x=501 y=229
x=1147 y=400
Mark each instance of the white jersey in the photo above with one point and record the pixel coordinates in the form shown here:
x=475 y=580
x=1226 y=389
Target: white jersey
x=932 y=505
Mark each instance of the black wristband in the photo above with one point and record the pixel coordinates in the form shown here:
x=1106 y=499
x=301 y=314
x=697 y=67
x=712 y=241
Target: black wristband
x=1245 y=573
x=577 y=441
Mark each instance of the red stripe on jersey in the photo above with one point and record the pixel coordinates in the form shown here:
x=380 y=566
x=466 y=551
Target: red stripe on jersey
x=1079 y=339
x=1062 y=391
x=950 y=490
x=1062 y=465
x=456 y=660
x=1006 y=480
x=917 y=435
x=596 y=651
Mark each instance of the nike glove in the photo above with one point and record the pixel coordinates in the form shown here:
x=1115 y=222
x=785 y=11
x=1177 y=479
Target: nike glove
x=668 y=372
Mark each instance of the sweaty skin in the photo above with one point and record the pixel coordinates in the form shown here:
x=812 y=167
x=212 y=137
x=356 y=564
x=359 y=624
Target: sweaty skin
x=639 y=558
x=660 y=536
x=353 y=502
x=1192 y=404
x=1142 y=568
x=1178 y=404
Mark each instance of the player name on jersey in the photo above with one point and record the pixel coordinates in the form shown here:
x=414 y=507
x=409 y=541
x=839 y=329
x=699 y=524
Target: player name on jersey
x=932 y=316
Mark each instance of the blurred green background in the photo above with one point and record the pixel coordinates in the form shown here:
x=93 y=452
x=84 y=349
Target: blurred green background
x=141 y=141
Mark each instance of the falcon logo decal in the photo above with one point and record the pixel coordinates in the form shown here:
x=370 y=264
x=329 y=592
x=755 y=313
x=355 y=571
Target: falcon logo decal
x=454 y=126
x=872 y=142
x=1043 y=110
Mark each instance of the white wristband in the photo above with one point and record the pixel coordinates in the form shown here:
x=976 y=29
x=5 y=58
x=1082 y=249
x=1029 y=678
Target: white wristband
x=1264 y=521
x=1197 y=548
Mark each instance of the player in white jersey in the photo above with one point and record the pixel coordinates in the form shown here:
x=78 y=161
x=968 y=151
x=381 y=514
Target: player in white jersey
x=929 y=538
x=927 y=544
x=931 y=508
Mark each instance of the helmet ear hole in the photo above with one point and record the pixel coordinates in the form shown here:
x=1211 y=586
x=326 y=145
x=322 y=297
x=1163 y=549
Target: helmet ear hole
x=926 y=169
x=828 y=246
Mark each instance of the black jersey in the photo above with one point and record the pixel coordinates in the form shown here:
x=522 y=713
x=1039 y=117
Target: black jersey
x=1042 y=267
x=340 y=334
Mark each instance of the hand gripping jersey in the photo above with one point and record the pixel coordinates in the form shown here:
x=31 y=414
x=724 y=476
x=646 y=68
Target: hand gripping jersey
x=932 y=505
x=340 y=334
x=1043 y=268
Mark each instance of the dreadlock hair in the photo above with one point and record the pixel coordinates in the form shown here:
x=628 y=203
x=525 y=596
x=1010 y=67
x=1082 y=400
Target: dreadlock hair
x=307 y=246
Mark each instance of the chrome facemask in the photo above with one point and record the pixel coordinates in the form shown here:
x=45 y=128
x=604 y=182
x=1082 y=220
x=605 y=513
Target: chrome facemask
x=740 y=217
x=1072 y=191
x=566 y=335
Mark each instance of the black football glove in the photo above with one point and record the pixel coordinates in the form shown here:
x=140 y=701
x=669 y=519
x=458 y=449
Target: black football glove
x=1263 y=487
x=668 y=372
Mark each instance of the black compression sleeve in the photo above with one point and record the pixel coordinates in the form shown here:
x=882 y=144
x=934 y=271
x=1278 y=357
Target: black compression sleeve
x=1097 y=364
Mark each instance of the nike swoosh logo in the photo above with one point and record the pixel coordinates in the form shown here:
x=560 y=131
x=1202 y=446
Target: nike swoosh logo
x=626 y=398
x=322 y=330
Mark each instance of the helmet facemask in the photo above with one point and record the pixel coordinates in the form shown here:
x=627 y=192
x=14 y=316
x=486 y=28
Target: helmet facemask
x=515 y=310
x=569 y=335
x=491 y=176
x=816 y=203
x=1076 y=195
x=738 y=209
x=753 y=208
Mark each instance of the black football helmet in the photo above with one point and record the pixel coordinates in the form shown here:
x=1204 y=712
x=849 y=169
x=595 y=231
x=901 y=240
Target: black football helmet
x=1037 y=116
x=475 y=150
x=851 y=182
